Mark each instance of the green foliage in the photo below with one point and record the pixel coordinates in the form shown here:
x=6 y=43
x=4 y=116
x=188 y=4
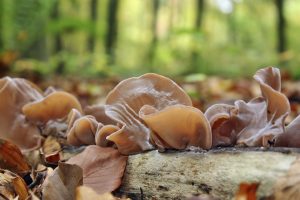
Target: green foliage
x=229 y=44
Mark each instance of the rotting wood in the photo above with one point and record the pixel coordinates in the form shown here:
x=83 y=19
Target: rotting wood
x=175 y=175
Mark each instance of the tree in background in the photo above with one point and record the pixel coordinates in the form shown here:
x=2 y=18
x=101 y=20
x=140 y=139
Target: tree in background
x=93 y=18
x=154 y=39
x=112 y=30
x=281 y=26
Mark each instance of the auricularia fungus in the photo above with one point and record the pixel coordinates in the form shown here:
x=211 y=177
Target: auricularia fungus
x=136 y=106
x=14 y=94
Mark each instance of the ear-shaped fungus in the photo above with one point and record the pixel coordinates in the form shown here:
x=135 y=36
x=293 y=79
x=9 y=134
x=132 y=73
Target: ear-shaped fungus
x=256 y=123
x=291 y=136
x=132 y=132
x=14 y=94
x=178 y=126
x=54 y=106
x=222 y=119
x=270 y=84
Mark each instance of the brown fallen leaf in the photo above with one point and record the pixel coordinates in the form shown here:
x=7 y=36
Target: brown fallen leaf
x=86 y=193
x=247 y=191
x=12 y=186
x=12 y=159
x=288 y=186
x=51 y=150
x=62 y=183
x=103 y=168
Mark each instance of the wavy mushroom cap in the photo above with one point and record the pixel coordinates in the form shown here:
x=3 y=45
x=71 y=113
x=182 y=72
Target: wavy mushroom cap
x=178 y=126
x=54 y=106
x=14 y=94
x=291 y=136
x=222 y=119
x=270 y=84
x=148 y=89
x=83 y=131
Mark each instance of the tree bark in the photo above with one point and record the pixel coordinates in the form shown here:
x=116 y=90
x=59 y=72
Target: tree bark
x=281 y=26
x=176 y=175
x=112 y=30
x=93 y=17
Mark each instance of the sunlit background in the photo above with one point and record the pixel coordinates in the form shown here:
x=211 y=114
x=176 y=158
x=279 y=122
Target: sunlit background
x=93 y=38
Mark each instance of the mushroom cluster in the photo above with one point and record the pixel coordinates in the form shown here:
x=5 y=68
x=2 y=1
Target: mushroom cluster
x=142 y=113
x=148 y=112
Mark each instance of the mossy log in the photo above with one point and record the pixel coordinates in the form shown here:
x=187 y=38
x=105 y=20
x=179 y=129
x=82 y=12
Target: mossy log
x=176 y=175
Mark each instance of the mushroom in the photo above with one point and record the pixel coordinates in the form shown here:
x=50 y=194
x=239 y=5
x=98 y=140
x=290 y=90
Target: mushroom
x=178 y=126
x=14 y=94
x=54 y=106
x=291 y=136
x=253 y=126
x=222 y=119
x=270 y=84
x=82 y=131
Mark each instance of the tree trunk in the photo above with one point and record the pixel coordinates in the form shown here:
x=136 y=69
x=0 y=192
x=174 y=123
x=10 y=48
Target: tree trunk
x=281 y=26
x=175 y=175
x=153 y=45
x=112 y=30
x=1 y=25
x=199 y=14
x=58 y=46
x=93 y=17
x=195 y=57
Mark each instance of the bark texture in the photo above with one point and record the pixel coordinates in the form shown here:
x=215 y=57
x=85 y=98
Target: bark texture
x=176 y=175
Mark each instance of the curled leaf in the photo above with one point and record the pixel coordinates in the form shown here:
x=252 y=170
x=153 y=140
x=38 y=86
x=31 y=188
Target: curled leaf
x=62 y=183
x=102 y=168
x=12 y=186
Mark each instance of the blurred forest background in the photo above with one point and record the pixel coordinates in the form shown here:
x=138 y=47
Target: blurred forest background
x=107 y=38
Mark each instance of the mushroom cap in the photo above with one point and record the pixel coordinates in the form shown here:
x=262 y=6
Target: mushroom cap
x=222 y=119
x=103 y=132
x=178 y=126
x=83 y=131
x=291 y=136
x=148 y=89
x=14 y=94
x=54 y=106
x=254 y=127
x=270 y=84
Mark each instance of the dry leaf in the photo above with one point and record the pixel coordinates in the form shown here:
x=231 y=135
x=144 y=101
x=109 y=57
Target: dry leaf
x=247 y=191
x=103 y=168
x=62 y=183
x=12 y=159
x=288 y=186
x=86 y=193
x=12 y=185
x=51 y=149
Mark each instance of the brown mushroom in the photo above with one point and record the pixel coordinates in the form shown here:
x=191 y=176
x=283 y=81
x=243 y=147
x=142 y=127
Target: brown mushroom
x=123 y=104
x=253 y=126
x=222 y=119
x=178 y=126
x=54 y=106
x=291 y=136
x=14 y=93
x=270 y=84
x=82 y=131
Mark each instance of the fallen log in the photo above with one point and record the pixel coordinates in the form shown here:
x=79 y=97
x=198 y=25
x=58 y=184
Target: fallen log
x=176 y=175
